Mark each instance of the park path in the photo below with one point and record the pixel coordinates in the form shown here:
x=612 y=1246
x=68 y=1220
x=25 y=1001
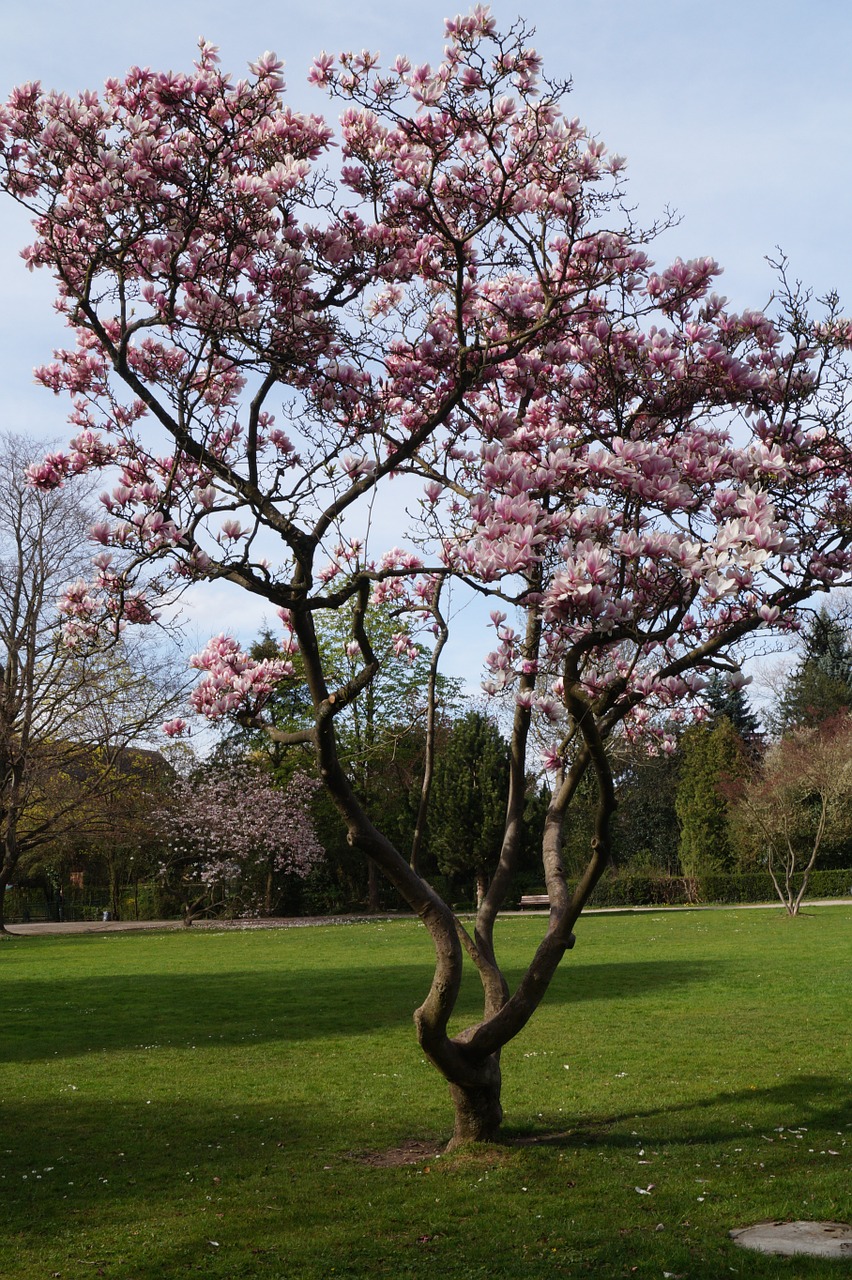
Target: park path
x=132 y=926
x=305 y=922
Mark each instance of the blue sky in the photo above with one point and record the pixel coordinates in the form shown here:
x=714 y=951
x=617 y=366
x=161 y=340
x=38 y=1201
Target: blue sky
x=737 y=113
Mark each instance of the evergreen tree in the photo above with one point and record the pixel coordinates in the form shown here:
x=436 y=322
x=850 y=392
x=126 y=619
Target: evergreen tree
x=709 y=756
x=645 y=829
x=820 y=686
x=722 y=698
x=468 y=812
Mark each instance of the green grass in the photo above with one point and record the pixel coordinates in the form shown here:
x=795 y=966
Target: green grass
x=162 y=1092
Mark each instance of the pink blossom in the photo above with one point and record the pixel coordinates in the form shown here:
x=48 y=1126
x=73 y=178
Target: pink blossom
x=233 y=530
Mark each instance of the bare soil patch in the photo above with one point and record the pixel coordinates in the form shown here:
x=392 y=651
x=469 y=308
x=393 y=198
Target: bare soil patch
x=397 y=1157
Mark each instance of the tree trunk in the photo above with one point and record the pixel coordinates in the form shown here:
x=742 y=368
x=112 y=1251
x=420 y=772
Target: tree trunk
x=373 y=883
x=478 y=1111
x=3 y=930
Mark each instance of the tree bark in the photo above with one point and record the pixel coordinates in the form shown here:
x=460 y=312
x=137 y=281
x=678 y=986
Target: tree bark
x=373 y=895
x=477 y=1107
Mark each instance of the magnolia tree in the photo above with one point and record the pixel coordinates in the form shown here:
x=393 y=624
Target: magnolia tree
x=231 y=835
x=265 y=336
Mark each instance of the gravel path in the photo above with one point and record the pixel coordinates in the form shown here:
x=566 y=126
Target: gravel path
x=129 y=926
x=307 y=922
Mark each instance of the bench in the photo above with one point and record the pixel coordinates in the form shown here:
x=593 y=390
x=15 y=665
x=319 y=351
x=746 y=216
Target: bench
x=535 y=900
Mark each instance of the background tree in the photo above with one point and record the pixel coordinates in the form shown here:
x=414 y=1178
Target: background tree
x=113 y=840
x=381 y=735
x=820 y=685
x=382 y=731
x=709 y=758
x=67 y=715
x=728 y=699
x=232 y=837
x=467 y=815
x=798 y=800
x=645 y=830
x=640 y=475
x=118 y=843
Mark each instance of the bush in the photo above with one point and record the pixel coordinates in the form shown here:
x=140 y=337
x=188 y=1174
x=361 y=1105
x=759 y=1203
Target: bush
x=757 y=886
x=630 y=888
x=641 y=889
x=836 y=883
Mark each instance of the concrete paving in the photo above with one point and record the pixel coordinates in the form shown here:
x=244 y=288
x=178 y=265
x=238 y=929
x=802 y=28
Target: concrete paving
x=819 y=1239
x=45 y=927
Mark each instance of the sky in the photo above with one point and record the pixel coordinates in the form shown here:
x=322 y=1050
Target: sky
x=737 y=114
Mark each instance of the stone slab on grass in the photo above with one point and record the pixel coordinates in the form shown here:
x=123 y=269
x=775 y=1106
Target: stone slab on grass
x=821 y=1239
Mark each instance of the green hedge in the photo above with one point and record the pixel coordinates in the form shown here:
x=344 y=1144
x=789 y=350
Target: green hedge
x=642 y=889
x=757 y=886
x=645 y=889
x=627 y=888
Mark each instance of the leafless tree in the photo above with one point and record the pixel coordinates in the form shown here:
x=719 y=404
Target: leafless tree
x=66 y=715
x=795 y=800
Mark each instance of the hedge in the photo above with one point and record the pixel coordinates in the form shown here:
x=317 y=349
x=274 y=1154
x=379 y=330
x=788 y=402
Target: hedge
x=645 y=889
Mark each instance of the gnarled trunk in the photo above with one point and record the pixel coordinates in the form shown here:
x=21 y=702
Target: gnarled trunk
x=477 y=1107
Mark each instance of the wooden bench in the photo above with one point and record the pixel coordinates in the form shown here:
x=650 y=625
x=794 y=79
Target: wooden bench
x=535 y=900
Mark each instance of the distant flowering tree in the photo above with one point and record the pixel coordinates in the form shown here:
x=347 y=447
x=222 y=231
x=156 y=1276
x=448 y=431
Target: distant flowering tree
x=641 y=477
x=231 y=835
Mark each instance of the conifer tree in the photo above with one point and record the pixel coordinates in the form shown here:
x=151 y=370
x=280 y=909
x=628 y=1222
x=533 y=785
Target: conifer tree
x=821 y=684
x=724 y=698
x=469 y=799
x=710 y=756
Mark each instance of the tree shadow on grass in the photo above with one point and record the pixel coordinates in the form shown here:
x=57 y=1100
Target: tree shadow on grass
x=50 y=1018
x=179 y=1157
x=156 y=1190
x=817 y=1102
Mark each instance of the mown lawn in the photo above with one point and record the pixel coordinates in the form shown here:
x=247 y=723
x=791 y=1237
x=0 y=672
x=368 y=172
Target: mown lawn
x=224 y=1104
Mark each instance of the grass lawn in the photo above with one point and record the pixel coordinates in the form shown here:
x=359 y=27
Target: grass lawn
x=220 y=1103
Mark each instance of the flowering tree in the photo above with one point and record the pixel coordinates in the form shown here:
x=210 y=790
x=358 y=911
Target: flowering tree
x=642 y=477
x=231 y=834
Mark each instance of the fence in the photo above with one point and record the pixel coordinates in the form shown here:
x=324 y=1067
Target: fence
x=135 y=902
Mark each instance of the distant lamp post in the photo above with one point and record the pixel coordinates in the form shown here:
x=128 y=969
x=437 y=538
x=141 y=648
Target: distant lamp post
x=134 y=872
